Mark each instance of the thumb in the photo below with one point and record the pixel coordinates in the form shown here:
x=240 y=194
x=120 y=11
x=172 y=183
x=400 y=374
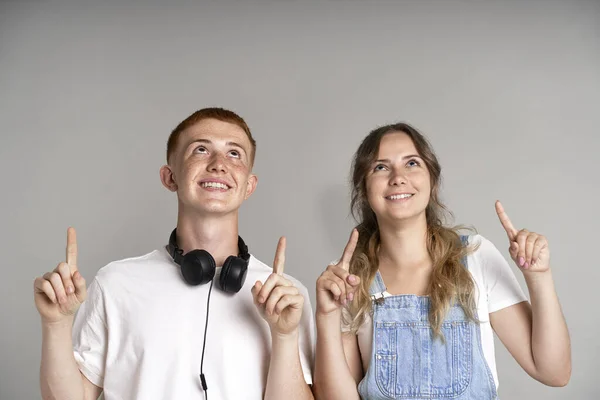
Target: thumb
x=353 y=280
x=256 y=289
x=513 y=249
x=80 y=288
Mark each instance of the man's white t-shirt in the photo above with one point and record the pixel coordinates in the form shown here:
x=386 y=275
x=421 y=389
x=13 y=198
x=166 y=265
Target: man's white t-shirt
x=139 y=334
x=496 y=288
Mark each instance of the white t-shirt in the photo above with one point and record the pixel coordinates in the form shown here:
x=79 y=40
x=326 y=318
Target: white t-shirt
x=496 y=288
x=139 y=334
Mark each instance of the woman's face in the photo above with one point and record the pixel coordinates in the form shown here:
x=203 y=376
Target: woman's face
x=398 y=182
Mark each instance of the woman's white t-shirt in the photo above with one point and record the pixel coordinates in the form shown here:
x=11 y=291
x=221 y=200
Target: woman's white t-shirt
x=496 y=288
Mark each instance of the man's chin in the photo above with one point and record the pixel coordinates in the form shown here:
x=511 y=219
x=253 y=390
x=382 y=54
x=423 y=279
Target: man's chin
x=214 y=209
x=210 y=207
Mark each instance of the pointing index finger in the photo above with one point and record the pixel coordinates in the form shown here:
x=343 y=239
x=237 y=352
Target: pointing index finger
x=505 y=221
x=72 y=249
x=279 y=261
x=349 y=250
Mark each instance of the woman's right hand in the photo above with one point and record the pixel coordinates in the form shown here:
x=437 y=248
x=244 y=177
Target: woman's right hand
x=336 y=286
x=58 y=294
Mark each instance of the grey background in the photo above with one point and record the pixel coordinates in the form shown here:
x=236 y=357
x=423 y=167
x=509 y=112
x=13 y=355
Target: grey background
x=507 y=91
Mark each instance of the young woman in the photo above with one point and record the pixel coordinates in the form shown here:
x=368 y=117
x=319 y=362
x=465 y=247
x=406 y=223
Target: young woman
x=417 y=302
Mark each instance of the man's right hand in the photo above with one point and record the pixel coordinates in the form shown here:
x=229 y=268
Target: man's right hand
x=58 y=294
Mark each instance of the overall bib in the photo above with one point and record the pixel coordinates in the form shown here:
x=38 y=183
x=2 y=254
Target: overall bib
x=407 y=363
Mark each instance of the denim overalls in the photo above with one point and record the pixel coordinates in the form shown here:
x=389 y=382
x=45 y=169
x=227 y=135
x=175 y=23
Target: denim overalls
x=406 y=363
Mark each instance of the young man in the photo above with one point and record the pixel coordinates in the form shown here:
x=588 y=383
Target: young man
x=159 y=326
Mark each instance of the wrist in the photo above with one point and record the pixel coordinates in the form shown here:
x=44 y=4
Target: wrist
x=65 y=323
x=335 y=315
x=331 y=322
x=284 y=338
x=538 y=278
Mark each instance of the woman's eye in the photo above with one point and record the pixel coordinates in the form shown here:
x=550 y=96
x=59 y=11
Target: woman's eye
x=413 y=163
x=379 y=167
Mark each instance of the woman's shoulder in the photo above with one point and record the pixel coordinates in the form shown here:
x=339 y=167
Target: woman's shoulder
x=480 y=251
x=484 y=255
x=479 y=243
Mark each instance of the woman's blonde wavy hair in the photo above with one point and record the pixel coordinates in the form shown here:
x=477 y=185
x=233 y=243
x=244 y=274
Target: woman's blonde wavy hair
x=450 y=280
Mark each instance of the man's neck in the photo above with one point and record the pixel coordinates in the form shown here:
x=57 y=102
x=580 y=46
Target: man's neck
x=216 y=234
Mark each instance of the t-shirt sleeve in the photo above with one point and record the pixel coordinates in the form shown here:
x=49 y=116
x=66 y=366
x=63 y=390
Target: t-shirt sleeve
x=503 y=289
x=90 y=335
x=307 y=339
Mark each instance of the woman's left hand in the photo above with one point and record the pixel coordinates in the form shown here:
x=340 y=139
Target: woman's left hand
x=529 y=250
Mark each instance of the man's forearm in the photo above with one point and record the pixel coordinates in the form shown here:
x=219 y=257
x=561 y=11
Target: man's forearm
x=59 y=375
x=286 y=379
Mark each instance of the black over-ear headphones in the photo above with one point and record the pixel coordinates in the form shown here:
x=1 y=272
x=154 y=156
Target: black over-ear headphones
x=198 y=266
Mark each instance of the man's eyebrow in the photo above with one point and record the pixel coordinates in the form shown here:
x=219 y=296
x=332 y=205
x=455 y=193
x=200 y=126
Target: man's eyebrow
x=234 y=144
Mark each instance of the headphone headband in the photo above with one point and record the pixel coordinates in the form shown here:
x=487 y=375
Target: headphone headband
x=177 y=253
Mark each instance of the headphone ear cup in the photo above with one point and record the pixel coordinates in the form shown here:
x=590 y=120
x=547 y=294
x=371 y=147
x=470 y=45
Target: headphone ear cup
x=198 y=267
x=233 y=274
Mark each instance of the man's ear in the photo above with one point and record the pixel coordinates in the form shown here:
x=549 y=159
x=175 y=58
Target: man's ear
x=167 y=177
x=251 y=185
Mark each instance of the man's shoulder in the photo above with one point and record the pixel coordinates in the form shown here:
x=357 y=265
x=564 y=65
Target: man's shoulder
x=132 y=266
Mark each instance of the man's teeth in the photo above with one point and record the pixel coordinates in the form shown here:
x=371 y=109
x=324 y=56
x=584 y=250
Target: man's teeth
x=214 y=185
x=400 y=196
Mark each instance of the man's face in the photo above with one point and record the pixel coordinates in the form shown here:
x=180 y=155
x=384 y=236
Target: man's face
x=211 y=168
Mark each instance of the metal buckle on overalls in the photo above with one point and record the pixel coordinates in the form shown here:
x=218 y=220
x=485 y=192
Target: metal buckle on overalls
x=378 y=298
